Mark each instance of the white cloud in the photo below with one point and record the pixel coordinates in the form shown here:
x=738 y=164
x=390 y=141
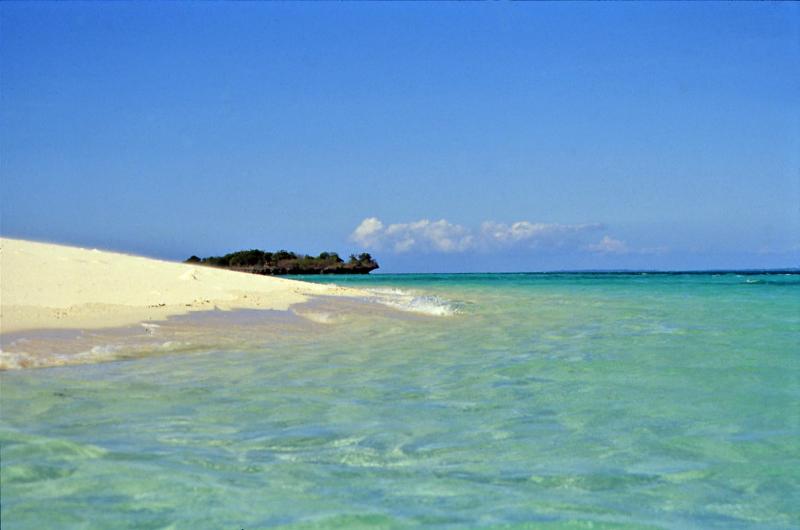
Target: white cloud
x=609 y=245
x=535 y=234
x=368 y=233
x=444 y=236
x=440 y=236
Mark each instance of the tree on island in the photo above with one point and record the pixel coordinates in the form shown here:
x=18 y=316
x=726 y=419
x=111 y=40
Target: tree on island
x=364 y=257
x=285 y=262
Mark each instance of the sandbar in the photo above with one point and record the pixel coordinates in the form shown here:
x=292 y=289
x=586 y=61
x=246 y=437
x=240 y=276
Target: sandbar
x=50 y=286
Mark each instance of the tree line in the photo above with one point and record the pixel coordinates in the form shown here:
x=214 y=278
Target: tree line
x=286 y=262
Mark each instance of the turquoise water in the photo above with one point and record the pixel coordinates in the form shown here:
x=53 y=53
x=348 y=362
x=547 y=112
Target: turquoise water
x=530 y=401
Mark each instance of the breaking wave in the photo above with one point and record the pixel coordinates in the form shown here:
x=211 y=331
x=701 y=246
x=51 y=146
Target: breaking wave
x=413 y=303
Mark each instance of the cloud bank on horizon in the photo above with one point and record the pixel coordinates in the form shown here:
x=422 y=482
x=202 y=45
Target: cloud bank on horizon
x=425 y=235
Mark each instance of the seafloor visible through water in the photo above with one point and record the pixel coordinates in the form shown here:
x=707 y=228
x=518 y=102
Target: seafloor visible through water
x=458 y=401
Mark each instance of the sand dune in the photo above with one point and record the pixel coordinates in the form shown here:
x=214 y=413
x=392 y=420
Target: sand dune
x=44 y=286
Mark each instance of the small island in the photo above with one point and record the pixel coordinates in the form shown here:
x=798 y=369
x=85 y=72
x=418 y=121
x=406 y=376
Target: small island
x=284 y=262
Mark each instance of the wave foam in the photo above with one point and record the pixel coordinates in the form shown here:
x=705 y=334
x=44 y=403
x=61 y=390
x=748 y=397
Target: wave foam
x=413 y=303
x=15 y=360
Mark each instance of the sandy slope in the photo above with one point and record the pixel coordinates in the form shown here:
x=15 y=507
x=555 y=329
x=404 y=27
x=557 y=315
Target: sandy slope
x=53 y=286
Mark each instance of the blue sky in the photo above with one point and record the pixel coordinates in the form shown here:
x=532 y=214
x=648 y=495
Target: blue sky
x=480 y=136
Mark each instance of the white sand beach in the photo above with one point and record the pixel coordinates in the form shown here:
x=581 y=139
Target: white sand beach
x=47 y=286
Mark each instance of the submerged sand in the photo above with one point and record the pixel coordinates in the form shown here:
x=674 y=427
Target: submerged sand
x=48 y=286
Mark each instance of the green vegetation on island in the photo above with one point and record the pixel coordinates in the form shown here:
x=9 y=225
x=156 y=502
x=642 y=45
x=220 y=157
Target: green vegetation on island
x=284 y=262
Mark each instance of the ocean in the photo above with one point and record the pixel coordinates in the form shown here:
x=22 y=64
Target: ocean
x=510 y=401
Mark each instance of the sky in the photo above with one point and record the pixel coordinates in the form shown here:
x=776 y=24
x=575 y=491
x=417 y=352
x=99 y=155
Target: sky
x=438 y=137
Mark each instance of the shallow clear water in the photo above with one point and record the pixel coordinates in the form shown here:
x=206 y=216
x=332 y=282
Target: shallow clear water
x=545 y=401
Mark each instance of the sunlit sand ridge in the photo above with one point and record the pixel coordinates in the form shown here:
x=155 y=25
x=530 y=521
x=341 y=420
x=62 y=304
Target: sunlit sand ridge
x=45 y=286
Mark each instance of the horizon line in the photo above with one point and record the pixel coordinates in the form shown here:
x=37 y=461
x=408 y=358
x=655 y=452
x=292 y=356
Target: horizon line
x=751 y=271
